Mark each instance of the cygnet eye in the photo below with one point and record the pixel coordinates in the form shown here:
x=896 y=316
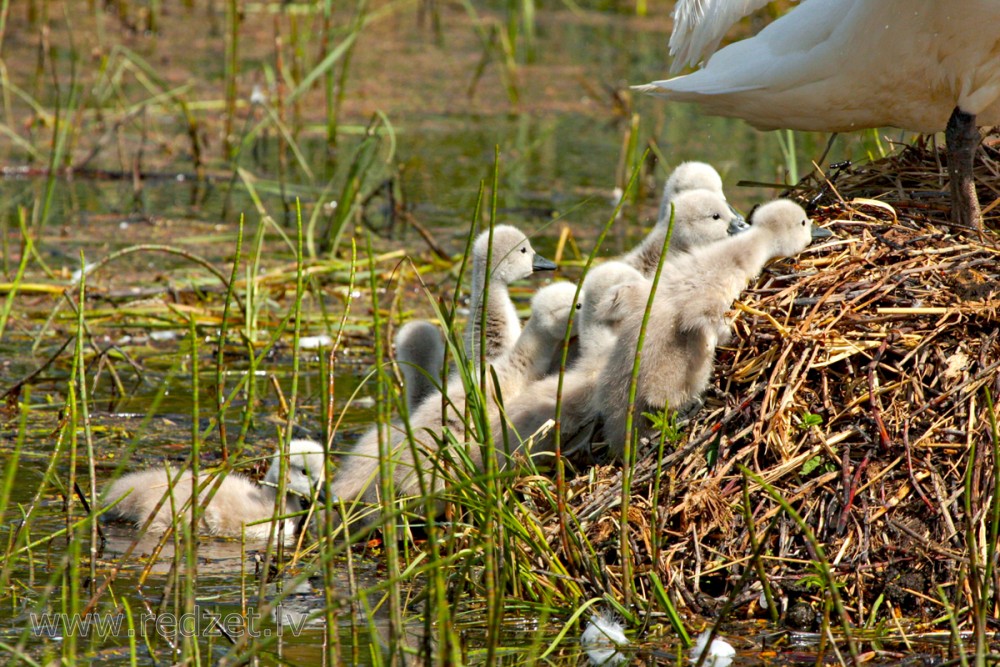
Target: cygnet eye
x=717 y=216
x=804 y=222
x=579 y=306
x=524 y=250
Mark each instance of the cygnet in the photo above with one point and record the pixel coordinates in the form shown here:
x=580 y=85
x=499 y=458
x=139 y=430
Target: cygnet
x=420 y=358
x=687 y=318
x=358 y=475
x=701 y=217
x=598 y=323
x=688 y=176
x=510 y=259
x=237 y=502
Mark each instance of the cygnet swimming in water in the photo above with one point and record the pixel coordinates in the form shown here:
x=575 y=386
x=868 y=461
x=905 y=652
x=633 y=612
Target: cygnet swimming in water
x=598 y=322
x=237 y=501
x=687 y=318
x=511 y=259
x=358 y=475
x=420 y=358
x=701 y=217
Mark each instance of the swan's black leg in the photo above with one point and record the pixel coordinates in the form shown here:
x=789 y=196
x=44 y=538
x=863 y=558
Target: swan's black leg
x=962 y=139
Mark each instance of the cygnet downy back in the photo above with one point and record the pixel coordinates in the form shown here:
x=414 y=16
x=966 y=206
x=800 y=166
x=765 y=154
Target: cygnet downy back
x=358 y=475
x=237 y=500
x=598 y=323
x=420 y=359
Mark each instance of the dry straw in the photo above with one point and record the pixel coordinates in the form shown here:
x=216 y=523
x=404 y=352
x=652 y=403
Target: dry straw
x=856 y=386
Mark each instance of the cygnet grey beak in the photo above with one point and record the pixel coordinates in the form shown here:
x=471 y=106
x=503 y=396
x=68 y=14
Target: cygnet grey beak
x=539 y=263
x=821 y=232
x=737 y=224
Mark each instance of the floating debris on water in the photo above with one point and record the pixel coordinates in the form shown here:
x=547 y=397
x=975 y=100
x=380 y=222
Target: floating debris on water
x=602 y=639
x=720 y=652
x=315 y=342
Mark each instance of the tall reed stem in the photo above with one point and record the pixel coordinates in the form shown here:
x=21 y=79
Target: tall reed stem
x=630 y=450
x=231 y=69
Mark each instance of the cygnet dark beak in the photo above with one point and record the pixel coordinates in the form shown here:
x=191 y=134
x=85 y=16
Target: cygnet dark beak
x=539 y=263
x=821 y=232
x=738 y=224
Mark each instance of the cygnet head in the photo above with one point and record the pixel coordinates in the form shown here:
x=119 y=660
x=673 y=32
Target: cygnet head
x=550 y=309
x=701 y=217
x=305 y=468
x=512 y=256
x=692 y=176
x=788 y=227
x=689 y=176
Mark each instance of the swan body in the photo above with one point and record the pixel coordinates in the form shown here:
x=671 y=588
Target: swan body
x=358 y=475
x=420 y=357
x=496 y=264
x=841 y=65
x=237 y=501
x=687 y=318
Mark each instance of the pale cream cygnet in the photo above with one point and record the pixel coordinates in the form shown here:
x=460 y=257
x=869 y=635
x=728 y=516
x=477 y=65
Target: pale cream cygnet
x=237 y=502
x=687 y=176
x=494 y=268
x=420 y=358
x=701 y=217
x=358 y=475
x=598 y=323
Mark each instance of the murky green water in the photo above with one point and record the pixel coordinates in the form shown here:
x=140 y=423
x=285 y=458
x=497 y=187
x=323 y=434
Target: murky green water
x=560 y=160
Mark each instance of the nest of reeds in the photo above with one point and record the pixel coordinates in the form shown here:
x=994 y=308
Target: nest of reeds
x=857 y=387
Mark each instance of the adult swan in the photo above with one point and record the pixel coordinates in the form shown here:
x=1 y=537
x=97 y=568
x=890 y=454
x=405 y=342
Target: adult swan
x=839 y=65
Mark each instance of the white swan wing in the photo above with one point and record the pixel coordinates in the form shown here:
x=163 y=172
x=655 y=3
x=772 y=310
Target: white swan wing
x=699 y=26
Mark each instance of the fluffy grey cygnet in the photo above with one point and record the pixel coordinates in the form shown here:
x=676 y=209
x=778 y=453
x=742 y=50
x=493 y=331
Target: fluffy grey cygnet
x=701 y=217
x=420 y=358
x=510 y=259
x=358 y=475
x=687 y=318
x=238 y=501
x=598 y=323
